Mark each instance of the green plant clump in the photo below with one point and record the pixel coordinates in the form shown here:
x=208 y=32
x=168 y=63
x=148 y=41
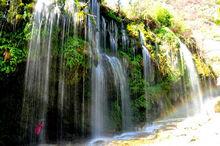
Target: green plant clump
x=11 y=55
x=163 y=16
x=113 y=15
x=74 y=50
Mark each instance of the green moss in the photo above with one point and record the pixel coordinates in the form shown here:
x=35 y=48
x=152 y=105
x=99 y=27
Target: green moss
x=111 y=14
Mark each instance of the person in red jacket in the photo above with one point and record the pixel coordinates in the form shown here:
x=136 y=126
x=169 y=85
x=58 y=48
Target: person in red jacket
x=38 y=128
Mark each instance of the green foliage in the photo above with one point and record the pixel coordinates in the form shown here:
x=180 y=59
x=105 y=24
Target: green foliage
x=114 y=16
x=16 y=12
x=178 y=26
x=116 y=115
x=217 y=17
x=163 y=16
x=74 y=50
x=139 y=108
x=16 y=56
x=15 y=44
x=27 y=31
x=156 y=91
x=3 y=7
x=136 y=84
x=167 y=56
x=202 y=68
x=134 y=28
x=136 y=81
x=165 y=34
x=28 y=9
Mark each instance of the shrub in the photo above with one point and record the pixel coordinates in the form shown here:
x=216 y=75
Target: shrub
x=74 y=52
x=163 y=16
x=15 y=56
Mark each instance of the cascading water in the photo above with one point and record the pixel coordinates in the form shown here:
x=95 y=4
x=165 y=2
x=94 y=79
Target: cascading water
x=40 y=86
x=196 y=94
x=113 y=33
x=124 y=39
x=146 y=60
x=72 y=26
x=37 y=75
x=99 y=101
x=120 y=80
x=100 y=74
x=40 y=76
x=148 y=74
x=65 y=99
x=104 y=32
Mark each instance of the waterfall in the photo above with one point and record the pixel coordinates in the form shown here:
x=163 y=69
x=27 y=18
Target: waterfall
x=113 y=32
x=40 y=86
x=99 y=101
x=36 y=96
x=124 y=39
x=196 y=94
x=148 y=70
x=98 y=75
x=47 y=88
x=97 y=36
x=104 y=32
x=121 y=83
x=147 y=64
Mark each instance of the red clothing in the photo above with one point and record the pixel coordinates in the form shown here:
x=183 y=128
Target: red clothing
x=38 y=128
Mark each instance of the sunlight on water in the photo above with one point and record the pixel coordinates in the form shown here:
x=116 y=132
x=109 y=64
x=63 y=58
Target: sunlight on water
x=43 y=3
